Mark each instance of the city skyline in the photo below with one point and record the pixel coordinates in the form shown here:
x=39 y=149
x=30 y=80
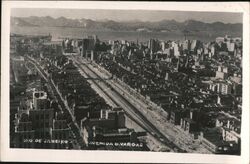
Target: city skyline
x=125 y=81
x=140 y=88
x=131 y=15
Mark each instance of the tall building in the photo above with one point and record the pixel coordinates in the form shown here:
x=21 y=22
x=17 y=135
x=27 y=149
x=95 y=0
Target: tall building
x=153 y=45
x=194 y=45
x=186 y=45
x=88 y=46
x=230 y=46
x=39 y=126
x=163 y=46
x=176 y=49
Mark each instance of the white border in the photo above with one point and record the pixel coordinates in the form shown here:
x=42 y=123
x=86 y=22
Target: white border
x=111 y=156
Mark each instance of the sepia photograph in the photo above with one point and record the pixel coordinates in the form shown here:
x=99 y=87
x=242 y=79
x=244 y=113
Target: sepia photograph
x=165 y=81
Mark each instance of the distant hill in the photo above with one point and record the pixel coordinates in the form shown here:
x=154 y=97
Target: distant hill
x=164 y=25
x=19 y=22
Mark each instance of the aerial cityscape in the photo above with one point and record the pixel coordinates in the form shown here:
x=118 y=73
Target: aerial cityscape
x=165 y=86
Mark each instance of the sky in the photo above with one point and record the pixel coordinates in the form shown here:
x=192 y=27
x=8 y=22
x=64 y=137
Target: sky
x=128 y=15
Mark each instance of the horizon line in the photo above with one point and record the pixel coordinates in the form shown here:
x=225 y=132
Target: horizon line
x=123 y=21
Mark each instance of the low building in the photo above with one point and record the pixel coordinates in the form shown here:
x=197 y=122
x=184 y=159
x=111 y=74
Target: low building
x=109 y=132
x=110 y=119
x=222 y=73
x=100 y=137
x=231 y=135
x=225 y=100
x=212 y=139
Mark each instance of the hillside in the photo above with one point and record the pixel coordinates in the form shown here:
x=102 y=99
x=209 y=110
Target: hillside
x=188 y=26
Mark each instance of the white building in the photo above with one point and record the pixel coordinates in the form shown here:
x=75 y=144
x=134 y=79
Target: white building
x=230 y=46
x=222 y=72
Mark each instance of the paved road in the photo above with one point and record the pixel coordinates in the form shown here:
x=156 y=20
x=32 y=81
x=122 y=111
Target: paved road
x=74 y=126
x=155 y=115
x=131 y=110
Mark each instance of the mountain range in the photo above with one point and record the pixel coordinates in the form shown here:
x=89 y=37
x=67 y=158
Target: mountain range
x=135 y=25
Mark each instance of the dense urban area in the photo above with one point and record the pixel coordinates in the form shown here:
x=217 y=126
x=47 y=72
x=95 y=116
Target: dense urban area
x=160 y=95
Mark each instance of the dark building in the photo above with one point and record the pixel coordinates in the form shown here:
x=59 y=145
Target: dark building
x=153 y=45
x=38 y=126
x=109 y=131
x=175 y=116
x=88 y=47
x=189 y=125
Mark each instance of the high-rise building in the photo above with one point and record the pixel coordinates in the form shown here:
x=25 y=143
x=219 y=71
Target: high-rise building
x=176 y=49
x=186 y=45
x=230 y=46
x=163 y=45
x=194 y=45
x=153 y=45
x=39 y=126
x=88 y=45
